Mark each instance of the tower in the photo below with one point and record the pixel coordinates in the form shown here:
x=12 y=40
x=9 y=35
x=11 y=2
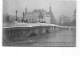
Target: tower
x=50 y=8
x=53 y=21
x=26 y=9
x=16 y=15
x=74 y=14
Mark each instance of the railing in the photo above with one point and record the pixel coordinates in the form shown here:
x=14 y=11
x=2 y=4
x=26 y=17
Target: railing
x=34 y=25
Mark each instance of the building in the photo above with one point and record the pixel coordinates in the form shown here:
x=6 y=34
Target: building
x=64 y=20
x=44 y=16
x=53 y=21
x=31 y=17
x=39 y=15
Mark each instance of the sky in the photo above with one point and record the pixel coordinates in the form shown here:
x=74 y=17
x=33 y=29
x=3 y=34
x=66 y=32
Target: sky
x=59 y=7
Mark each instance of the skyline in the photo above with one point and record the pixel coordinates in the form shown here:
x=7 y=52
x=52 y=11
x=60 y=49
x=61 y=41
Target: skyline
x=59 y=7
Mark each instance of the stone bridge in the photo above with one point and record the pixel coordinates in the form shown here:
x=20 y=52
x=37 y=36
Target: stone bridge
x=12 y=34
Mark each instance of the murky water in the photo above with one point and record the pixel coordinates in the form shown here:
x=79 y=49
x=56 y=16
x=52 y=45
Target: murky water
x=60 y=38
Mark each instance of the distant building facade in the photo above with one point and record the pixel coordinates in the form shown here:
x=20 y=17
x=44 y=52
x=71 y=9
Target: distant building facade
x=39 y=15
x=30 y=17
x=64 y=20
x=44 y=17
x=53 y=21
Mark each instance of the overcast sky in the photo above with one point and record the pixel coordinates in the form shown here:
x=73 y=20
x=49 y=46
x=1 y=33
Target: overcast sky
x=59 y=7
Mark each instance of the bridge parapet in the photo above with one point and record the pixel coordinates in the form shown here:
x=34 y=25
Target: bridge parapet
x=19 y=32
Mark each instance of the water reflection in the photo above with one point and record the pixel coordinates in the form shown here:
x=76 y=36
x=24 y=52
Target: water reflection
x=61 y=38
x=56 y=38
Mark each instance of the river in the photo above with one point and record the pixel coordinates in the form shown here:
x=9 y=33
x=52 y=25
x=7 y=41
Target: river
x=64 y=38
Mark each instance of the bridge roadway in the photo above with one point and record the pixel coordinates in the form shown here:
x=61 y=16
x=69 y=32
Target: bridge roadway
x=32 y=25
x=23 y=31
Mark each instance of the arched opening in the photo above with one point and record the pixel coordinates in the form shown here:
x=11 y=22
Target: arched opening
x=32 y=34
x=47 y=31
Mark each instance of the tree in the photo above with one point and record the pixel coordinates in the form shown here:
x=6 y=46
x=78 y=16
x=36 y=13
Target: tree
x=73 y=23
x=6 y=18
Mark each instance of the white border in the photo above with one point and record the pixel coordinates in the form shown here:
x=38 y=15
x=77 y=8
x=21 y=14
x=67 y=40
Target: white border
x=41 y=51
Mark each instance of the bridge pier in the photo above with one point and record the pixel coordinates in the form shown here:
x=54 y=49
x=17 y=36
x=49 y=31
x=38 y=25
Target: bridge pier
x=23 y=33
x=73 y=29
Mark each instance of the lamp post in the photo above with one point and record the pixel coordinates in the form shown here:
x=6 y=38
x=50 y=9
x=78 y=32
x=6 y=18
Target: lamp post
x=16 y=15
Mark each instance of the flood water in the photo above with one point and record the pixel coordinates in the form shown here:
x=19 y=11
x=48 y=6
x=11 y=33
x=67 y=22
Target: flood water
x=60 y=38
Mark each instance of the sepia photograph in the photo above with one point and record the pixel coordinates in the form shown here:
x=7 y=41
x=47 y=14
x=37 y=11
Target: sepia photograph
x=39 y=23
